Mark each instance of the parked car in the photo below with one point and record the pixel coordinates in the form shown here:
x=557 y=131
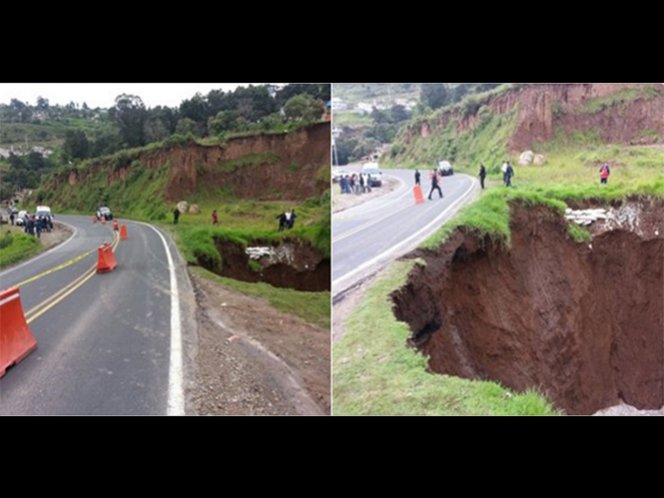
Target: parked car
x=445 y=168
x=375 y=174
x=104 y=212
x=21 y=217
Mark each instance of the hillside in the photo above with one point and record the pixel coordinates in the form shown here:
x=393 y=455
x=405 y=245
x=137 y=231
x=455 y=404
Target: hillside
x=275 y=166
x=488 y=127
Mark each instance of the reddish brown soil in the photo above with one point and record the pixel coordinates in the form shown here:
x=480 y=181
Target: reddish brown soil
x=583 y=325
x=543 y=108
x=309 y=270
x=293 y=173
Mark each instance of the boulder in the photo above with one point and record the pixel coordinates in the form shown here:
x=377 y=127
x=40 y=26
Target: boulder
x=194 y=209
x=526 y=158
x=183 y=206
x=538 y=159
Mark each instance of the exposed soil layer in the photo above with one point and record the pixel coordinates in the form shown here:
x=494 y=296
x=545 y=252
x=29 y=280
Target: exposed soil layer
x=292 y=263
x=581 y=322
x=270 y=166
x=543 y=108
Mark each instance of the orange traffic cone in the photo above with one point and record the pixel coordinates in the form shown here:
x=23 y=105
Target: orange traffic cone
x=123 y=232
x=105 y=258
x=417 y=192
x=115 y=225
x=16 y=340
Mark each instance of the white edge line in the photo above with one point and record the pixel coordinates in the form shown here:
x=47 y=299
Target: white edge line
x=404 y=242
x=175 y=393
x=48 y=252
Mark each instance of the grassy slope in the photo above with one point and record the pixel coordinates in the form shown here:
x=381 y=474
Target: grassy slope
x=16 y=246
x=485 y=143
x=374 y=373
x=312 y=307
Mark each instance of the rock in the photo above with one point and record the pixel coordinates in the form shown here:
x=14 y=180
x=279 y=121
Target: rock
x=538 y=159
x=183 y=206
x=194 y=209
x=526 y=158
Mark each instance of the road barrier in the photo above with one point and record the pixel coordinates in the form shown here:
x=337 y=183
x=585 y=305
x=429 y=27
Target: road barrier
x=123 y=232
x=417 y=192
x=115 y=225
x=16 y=340
x=106 y=259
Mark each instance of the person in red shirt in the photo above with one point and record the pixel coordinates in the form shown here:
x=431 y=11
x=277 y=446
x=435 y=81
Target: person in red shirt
x=215 y=218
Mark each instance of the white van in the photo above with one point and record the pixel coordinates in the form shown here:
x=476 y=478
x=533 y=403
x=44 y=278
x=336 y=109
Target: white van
x=45 y=212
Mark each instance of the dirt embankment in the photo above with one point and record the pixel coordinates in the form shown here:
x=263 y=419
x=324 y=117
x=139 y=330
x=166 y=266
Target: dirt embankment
x=581 y=322
x=543 y=108
x=255 y=360
x=262 y=167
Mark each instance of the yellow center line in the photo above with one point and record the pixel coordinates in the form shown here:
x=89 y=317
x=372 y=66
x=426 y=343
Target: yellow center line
x=54 y=299
x=56 y=268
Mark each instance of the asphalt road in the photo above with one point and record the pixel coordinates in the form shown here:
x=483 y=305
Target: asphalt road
x=366 y=237
x=105 y=349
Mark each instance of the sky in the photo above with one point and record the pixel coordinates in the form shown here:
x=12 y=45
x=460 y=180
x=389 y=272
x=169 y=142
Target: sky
x=103 y=94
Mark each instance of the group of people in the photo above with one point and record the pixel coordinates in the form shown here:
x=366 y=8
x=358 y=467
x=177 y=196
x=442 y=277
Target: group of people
x=33 y=225
x=508 y=173
x=357 y=183
x=286 y=219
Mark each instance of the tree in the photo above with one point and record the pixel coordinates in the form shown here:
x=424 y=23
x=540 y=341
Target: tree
x=155 y=130
x=76 y=145
x=129 y=114
x=42 y=103
x=379 y=116
x=222 y=122
x=196 y=109
x=186 y=126
x=399 y=113
x=304 y=107
x=435 y=95
x=318 y=91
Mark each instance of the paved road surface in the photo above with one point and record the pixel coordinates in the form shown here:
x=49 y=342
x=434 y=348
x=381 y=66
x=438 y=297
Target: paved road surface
x=368 y=236
x=106 y=347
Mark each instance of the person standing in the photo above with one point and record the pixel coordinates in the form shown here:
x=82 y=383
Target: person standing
x=417 y=176
x=482 y=174
x=503 y=168
x=435 y=185
x=604 y=173
x=508 y=175
x=176 y=216
x=215 y=218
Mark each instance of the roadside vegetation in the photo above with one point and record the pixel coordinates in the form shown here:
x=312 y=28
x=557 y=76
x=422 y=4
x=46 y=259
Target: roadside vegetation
x=16 y=245
x=312 y=307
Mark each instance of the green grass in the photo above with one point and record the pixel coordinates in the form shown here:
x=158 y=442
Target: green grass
x=312 y=307
x=376 y=374
x=351 y=119
x=486 y=143
x=578 y=233
x=620 y=97
x=16 y=246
